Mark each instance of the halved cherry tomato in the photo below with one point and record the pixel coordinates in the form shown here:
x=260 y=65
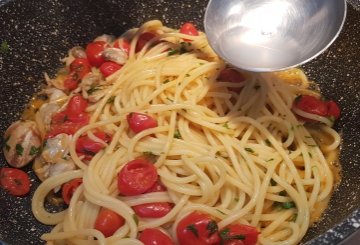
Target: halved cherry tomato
x=108 y=222
x=71 y=119
x=152 y=210
x=77 y=104
x=71 y=81
x=15 y=181
x=88 y=147
x=139 y=122
x=143 y=39
x=94 y=52
x=310 y=104
x=197 y=228
x=68 y=189
x=232 y=76
x=333 y=109
x=238 y=232
x=81 y=66
x=153 y=236
x=189 y=29
x=123 y=44
x=136 y=177
x=109 y=68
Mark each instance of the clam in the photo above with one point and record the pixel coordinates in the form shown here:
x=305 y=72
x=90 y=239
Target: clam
x=56 y=148
x=116 y=55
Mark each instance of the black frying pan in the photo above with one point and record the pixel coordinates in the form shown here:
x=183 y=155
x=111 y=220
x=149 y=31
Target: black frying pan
x=39 y=32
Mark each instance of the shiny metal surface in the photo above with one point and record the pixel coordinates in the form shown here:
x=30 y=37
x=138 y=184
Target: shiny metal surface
x=268 y=35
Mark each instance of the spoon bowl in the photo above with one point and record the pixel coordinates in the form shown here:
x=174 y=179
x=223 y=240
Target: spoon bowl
x=270 y=35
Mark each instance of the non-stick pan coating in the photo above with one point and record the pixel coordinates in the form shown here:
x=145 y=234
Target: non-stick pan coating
x=39 y=33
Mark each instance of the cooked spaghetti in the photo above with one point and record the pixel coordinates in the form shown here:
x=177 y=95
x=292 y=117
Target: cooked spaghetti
x=239 y=152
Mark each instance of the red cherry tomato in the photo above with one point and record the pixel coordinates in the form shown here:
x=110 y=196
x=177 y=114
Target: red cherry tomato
x=153 y=210
x=139 y=122
x=94 y=52
x=143 y=39
x=15 y=181
x=311 y=104
x=136 y=177
x=333 y=109
x=77 y=104
x=237 y=232
x=88 y=147
x=108 y=222
x=234 y=242
x=71 y=81
x=197 y=228
x=123 y=44
x=109 y=68
x=189 y=29
x=153 y=236
x=68 y=189
x=232 y=76
x=81 y=66
x=157 y=187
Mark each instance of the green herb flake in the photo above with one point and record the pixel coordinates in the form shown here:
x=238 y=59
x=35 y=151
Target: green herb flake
x=110 y=100
x=220 y=211
x=288 y=205
x=187 y=75
x=201 y=63
x=6 y=146
x=272 y=182
x=34 y=150
x=249 y=150
x=236 y=199
x=93 y=89
x=310 y=155
x=192 y=229
x=297 y=99
x=283 y=193
x=226 y=125
x=212 y=227
x=268 y=143
x=166 y=81
x=294 y=217
x=4 y=47
x=136 y=219
x=19 y=149
x=169 y=99
x=271 y=159
x=224 y=234
x=173 y=52
x=177 y=134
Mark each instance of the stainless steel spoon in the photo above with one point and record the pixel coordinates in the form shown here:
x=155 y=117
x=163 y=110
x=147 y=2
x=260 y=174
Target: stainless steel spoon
x=269 y=35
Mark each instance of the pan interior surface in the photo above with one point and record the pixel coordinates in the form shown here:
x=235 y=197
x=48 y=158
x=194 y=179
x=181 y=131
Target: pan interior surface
x=39 y=33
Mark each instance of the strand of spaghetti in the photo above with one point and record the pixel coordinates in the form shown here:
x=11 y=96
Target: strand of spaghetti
x=38 y=200
x=66 y=235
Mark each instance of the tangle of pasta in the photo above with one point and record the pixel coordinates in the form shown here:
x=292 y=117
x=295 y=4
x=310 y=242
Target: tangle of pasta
x=235 y=151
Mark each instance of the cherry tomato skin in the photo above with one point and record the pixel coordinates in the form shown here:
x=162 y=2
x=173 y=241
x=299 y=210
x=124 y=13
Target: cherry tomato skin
x=77 y=104
x=81 y=66
x=157 y=187
x=94 y=52
x=143 y=39
x=87 y=146
x=108 y=222
x=139 y=122
x=152 y=210
x=195 y=229
x=15 y=181
x=333 y=109
x=310 y=104
x=153 y=236
x=68 y=189
x=232 y=76
x=109 y=68
x=71 y=81
x=136 y=177
x=249 y=232
x=189 y=29
x=123 y=44
x=234 y=242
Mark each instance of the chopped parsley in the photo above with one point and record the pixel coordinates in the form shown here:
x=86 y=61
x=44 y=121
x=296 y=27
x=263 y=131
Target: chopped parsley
x=19 y=149
x=212 y=227
x=192 y=229
x=272 y=182
x=224 y=234
x=34 y=150
x=173 y=52
x=136 y=219
x=288 y=205
x=283 y=193
x=187 y=75
x=4 y=47
x=249 y=150
x=110 y=100
x=220 y=211
x=271 y=159
x=236 y=199
x=268 y=143
x=177 y=134
x=93 y=89
x=6 y=146
x=166 y=81
x=310 y=155
x=226 y=125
